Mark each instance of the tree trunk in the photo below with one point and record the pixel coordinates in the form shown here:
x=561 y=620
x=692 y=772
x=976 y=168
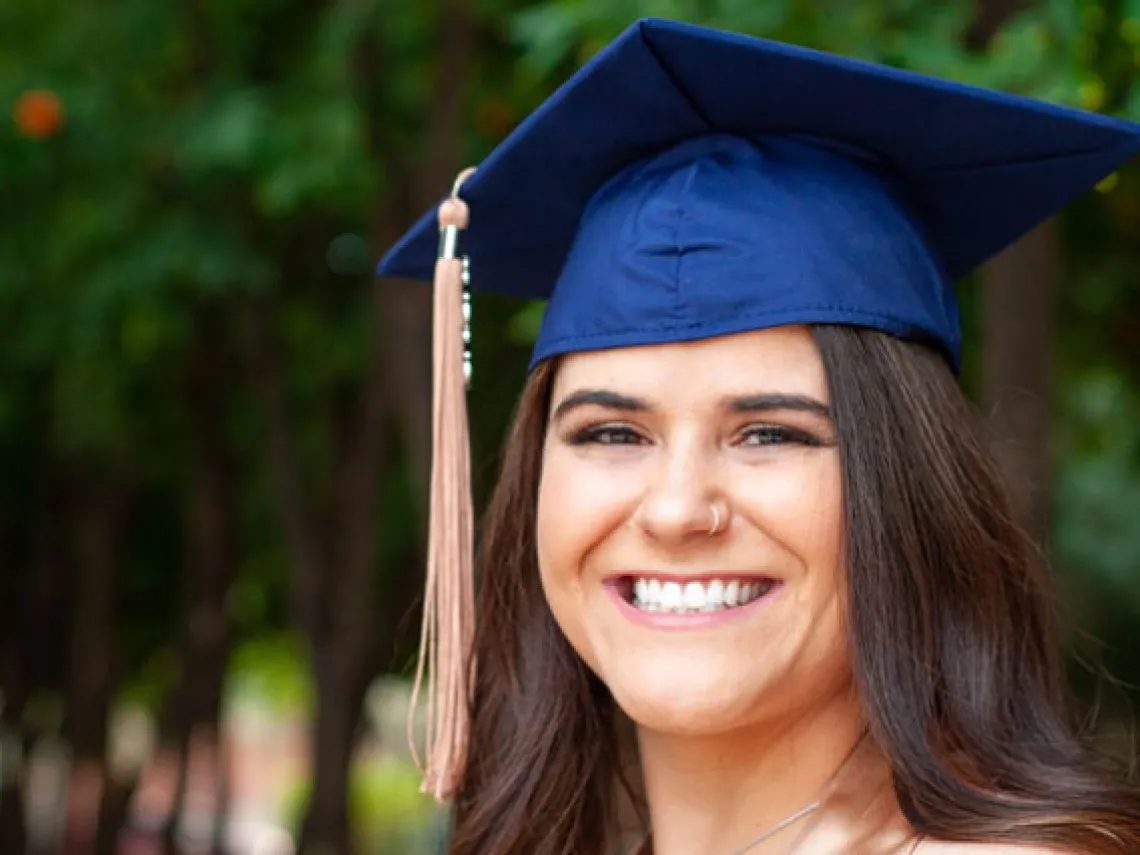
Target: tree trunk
x=333 y=575
x=1018 y=298
x=1020 y=289
x=13 y=696
x=13 y=828
x=211 y=564
x=303 y=546
x=326 y=828
x=35 y=620
x=342 y=642
x=100 y=526
x=114 y=809
x=177 y=745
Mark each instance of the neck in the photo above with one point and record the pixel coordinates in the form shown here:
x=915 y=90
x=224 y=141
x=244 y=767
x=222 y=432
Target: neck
x=716 y=793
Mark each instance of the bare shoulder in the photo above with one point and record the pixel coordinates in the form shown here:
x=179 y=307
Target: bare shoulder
x=932 y=847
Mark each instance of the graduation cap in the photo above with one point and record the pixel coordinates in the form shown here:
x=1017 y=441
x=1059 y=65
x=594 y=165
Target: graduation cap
x=689 y=183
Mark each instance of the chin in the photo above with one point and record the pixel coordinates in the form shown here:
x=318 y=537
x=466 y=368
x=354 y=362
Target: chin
x=696 y=707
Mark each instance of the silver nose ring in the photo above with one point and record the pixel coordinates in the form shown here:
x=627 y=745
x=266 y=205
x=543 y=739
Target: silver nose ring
x=715 y=508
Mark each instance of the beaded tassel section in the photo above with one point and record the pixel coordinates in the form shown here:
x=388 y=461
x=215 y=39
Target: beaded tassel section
x=449 y=600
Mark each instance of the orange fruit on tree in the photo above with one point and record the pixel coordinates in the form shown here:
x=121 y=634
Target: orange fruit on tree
x=38 y=114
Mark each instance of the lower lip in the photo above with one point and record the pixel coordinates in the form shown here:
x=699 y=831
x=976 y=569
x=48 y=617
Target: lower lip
x=699 y=620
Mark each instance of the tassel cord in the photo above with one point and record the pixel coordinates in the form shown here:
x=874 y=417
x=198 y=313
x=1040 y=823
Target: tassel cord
x=444 y=670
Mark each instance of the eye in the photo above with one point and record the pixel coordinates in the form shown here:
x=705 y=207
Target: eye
x=607 y=435
x=777 y=435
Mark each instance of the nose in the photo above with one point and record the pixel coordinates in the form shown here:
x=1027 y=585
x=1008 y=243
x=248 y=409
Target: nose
x=680 y=497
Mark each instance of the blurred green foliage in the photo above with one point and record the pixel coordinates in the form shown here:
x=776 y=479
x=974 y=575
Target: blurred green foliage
x=386 y=809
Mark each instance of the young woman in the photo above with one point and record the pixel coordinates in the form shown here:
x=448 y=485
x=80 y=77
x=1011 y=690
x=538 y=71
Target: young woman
x=744 y=507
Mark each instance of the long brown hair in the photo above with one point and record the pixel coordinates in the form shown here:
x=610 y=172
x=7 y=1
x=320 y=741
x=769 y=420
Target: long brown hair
x=954 y=648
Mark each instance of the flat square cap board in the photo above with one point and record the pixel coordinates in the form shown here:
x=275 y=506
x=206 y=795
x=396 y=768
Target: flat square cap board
x=689 y=182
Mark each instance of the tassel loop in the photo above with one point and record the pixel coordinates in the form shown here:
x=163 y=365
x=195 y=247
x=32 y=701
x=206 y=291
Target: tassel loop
x=448 y=632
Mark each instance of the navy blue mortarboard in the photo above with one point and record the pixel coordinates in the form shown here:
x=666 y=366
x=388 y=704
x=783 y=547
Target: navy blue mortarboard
x=689 y=183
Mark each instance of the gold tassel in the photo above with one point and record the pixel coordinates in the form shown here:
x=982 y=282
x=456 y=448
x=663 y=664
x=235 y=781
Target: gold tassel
x=449 y=600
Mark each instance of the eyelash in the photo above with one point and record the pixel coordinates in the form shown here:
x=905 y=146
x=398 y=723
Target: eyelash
x=783 y=435
x=597 y=435
x=770 y=435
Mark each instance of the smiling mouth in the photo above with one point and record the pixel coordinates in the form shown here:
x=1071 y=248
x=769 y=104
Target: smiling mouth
x=692 y=597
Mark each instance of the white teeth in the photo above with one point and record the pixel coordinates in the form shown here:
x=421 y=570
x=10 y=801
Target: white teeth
x=732 y=593
x=714 y=595
x=653 y=595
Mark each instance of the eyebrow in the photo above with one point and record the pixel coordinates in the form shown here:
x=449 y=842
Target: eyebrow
x=599 y=398
x=777 y=401
x=737 y=404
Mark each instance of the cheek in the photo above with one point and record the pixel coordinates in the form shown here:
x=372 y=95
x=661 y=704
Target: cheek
x=563 y=526
x=579 y=505
x=819 y=540
x=802 y=510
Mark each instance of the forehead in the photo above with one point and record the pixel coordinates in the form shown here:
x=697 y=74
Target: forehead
x=783 y=359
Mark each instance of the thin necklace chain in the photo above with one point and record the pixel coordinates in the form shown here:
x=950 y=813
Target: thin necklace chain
x=778 y=827
x=795 y=817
